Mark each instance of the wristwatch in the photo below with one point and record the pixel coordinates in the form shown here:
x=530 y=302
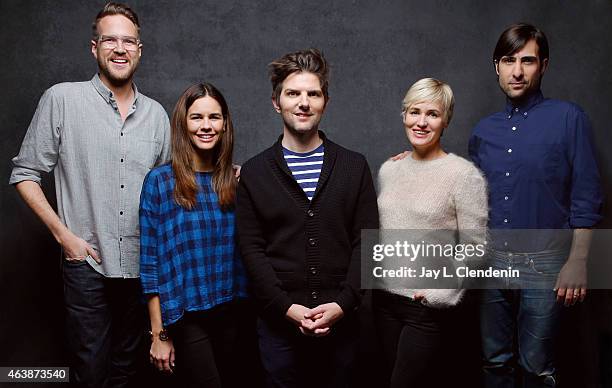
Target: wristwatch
x=163 y=335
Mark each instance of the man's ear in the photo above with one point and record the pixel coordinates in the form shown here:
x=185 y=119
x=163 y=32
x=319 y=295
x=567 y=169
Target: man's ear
x=94 y=50
x=496 y=64
x=275 y=105
x=544 y=66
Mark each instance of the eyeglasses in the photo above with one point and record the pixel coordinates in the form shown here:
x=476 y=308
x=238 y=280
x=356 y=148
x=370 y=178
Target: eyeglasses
x=129 y=43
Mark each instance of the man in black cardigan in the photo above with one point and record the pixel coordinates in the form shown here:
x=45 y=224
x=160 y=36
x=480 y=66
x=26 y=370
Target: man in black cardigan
x=302 y=204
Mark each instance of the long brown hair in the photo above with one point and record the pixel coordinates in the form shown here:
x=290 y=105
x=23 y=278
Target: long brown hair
x=183 y=153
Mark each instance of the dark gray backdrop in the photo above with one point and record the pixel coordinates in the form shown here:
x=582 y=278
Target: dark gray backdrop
x=376 y=50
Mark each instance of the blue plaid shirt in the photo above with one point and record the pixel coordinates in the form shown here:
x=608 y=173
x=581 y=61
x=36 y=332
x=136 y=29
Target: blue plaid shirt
x=187 y=257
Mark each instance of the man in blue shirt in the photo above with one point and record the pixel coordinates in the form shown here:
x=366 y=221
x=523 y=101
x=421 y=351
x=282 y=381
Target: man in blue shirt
x=538 y=157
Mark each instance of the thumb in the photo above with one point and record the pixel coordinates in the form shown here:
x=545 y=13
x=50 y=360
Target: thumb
x=311 y=313
x=93 y=254
x=557 y=284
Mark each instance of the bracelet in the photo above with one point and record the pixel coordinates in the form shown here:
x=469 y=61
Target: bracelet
x=163 y=335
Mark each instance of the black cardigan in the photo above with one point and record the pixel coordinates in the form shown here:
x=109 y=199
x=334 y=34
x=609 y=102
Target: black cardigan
x=298 y=251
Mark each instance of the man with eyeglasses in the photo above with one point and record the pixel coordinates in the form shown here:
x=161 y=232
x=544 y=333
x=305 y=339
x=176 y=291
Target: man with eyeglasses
x=544 y=196
x=100 y=138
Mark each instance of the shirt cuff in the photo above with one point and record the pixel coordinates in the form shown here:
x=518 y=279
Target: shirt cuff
x=586 y=221
x=20 y=174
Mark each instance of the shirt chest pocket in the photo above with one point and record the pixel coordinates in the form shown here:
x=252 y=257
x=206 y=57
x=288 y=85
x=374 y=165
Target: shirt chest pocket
x=547 y=161
x=144 y=152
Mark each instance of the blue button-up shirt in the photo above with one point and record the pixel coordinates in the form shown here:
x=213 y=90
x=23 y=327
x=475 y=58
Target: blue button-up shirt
x=539 y=161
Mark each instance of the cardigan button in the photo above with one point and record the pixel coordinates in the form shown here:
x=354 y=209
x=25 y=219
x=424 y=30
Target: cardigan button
x=310 y=213
x=314 y=295
x=313 y=270
x=312 y=242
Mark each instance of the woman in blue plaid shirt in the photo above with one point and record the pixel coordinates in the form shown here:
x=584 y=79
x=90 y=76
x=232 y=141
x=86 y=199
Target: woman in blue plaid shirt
x=189 y=268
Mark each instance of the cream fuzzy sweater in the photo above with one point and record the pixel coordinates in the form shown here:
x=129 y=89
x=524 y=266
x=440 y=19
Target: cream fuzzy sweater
x=447 y=193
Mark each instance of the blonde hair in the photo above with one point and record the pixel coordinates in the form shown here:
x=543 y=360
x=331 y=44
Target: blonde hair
x=112 y=8
x=431 y=90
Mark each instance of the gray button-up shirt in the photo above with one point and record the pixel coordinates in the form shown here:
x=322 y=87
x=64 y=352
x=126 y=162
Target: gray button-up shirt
x=99 y=162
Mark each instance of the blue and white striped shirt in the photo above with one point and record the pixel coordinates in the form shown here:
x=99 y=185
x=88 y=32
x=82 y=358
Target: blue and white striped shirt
x=306 y=168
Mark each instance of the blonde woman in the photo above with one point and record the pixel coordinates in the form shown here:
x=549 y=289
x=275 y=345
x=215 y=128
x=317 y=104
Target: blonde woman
x=428 y=189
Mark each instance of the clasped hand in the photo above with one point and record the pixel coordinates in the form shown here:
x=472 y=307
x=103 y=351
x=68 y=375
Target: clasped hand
x=162 y=355
x=316 y=322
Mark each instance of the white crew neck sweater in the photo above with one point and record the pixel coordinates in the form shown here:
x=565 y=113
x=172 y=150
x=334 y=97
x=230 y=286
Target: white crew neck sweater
x=448 y=193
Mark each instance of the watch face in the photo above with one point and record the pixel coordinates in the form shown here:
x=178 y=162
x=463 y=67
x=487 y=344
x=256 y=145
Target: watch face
x=163 y=335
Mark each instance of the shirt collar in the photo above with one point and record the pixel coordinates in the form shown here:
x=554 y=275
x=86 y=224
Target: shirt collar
x=321 y=135
x=532 y=101
x=106 y=93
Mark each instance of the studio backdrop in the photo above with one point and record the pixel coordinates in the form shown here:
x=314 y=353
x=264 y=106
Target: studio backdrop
x=376 y=50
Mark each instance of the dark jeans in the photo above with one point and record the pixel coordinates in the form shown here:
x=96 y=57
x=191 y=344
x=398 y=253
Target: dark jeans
x=205 y=344
x=104 y=326
x=528 y=317
x=412 y=337
x=290 y=359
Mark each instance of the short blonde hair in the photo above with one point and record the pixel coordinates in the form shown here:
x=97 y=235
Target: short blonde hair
x=431 y=90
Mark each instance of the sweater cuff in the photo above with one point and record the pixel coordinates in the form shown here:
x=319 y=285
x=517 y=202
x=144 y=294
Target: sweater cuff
x=279 y=305
x=348 y=301
x=442 y=298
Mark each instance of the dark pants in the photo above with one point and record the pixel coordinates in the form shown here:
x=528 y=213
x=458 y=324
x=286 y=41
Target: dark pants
x=525 y=314
x=205 y=344
x=412 y=337
x=104 y=326
x=290 y=359
x=606 y=359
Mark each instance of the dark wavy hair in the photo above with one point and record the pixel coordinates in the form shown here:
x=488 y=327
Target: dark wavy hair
x=309 y=60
